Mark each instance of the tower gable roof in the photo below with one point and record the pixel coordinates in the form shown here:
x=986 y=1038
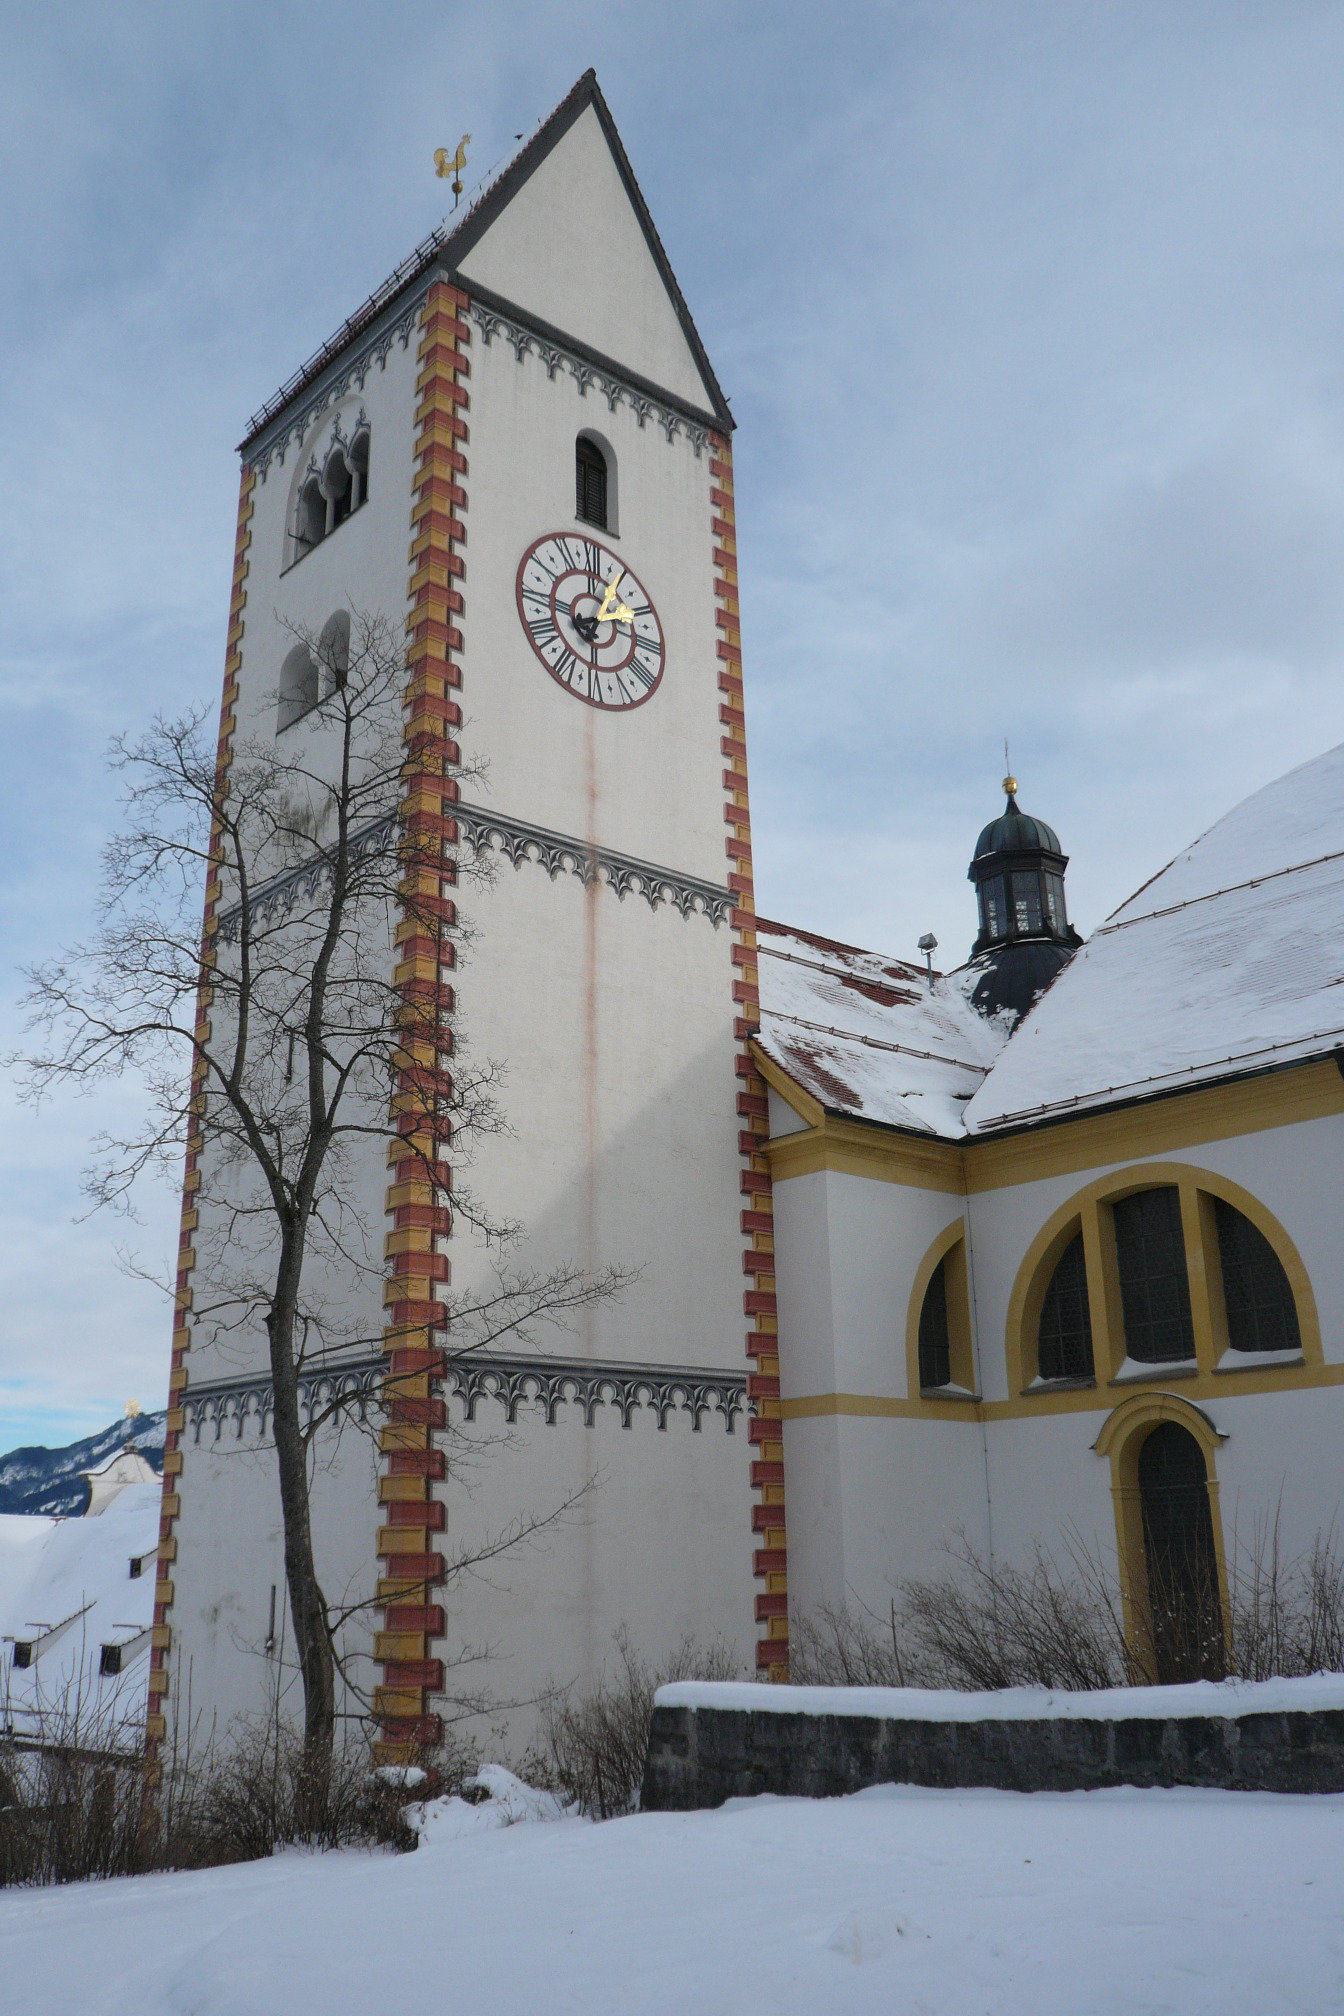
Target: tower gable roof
x=451 y=247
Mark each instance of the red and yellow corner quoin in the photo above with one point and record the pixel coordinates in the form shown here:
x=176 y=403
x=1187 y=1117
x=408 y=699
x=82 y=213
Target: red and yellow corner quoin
x=757 y=1214
x=418 y=1205
x=161 y=1650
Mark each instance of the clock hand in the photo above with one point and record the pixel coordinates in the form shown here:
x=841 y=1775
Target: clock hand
x=614 y=610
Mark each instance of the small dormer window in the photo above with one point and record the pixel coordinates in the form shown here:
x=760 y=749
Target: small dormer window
x=137 y=1566
x=109 y=1659
x=23 y=1652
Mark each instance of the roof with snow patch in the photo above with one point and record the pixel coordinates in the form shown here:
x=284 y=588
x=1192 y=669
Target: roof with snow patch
x=1227 y=963
x=872 y=1038
x=66 y=1591
x=1230 y=961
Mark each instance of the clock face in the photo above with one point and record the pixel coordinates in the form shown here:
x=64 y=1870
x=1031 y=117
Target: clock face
x=565 y=583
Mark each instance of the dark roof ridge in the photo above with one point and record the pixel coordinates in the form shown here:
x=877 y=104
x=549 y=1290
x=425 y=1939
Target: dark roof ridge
x=459 y=239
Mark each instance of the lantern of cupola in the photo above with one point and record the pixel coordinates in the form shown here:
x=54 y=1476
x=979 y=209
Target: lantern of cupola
x=1025 y=936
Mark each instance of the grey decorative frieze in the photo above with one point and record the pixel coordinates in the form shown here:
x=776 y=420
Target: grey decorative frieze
x=350 y=1388
x=306 y=879
x=375 y=349
x=588 y=1385
x=560 y=853
x=354 y=1388
x=493 y=322
x=519 y=841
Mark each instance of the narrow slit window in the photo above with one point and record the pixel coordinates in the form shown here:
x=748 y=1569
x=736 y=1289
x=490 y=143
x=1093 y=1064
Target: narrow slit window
x=935 y=1341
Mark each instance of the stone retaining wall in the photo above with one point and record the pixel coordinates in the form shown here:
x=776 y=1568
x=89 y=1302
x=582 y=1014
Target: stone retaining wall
x=700 y=1756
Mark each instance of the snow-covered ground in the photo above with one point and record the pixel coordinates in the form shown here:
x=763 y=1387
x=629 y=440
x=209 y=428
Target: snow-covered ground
x=897 y=1900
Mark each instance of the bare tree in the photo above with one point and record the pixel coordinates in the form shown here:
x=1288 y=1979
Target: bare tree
x=284 y=1039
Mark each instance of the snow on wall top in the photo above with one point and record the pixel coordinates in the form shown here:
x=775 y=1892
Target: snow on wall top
x=1221 y=1699
x=1231 y=959
x=871 y=1037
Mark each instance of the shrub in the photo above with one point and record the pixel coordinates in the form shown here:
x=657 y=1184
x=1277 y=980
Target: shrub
x=593 y=1745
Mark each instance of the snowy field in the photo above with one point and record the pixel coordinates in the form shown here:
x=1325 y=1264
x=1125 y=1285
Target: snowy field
x=1111 y=1903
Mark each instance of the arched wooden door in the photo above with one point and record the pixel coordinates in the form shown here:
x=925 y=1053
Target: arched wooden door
x=1184 y=1602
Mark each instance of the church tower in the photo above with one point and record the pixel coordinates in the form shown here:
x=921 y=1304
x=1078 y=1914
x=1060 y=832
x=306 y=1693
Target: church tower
x=517 y=435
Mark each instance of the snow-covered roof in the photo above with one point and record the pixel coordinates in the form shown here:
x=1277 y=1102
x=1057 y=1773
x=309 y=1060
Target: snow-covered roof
x=870 y=1037
x=66 y=1591
x=1230 y=960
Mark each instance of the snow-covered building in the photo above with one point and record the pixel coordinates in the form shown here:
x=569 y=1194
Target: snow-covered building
x=901 y=1257
x=1072 y=1275
x=77 y=1613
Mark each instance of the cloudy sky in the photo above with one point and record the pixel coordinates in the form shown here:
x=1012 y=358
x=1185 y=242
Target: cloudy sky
x=1032 y=318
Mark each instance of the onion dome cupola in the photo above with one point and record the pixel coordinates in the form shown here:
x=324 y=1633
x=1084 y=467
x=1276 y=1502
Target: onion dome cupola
x=1025 y=934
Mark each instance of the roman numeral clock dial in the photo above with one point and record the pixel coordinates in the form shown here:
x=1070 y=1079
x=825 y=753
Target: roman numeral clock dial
x=590 y=621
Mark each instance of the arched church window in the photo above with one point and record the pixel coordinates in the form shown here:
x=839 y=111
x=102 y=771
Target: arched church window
x=1064 y=1341
x=935 y=1340
x=1261 y=1311
x=299 y=687
x=334 y=651
x=1154 y=1287
x=590 y=482
x=1184 y=1601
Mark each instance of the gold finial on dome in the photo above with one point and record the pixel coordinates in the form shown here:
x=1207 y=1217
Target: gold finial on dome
x=1010 y=786
x=1009 y=782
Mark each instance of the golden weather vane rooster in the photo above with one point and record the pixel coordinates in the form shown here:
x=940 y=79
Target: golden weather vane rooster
x=453 y=164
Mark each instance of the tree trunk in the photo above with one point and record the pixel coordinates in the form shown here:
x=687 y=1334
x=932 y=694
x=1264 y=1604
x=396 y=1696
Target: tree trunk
x=306 y=1603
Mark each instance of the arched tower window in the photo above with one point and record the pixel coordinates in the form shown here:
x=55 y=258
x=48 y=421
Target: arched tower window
x=334 y=651
x=935 y=1339
x=359 y=469
x=1184 y=1602
x=299 y=687
x=1261 y=1311
x=590 y=482
x=1064 y=1342
x=1154 y=1286
x=336 y=483
x=311 y=522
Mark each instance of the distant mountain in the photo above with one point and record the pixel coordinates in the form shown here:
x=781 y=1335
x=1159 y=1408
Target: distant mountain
x=48 y=1480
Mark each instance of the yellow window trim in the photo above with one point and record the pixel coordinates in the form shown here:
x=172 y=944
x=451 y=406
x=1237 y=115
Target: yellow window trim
x=1294 y=1378
x=950 y=1245
x=1178 y=1120
x=1088 y=1209
x=1121 y=1439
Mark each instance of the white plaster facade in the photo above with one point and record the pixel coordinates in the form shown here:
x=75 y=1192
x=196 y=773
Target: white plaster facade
x=613 y=1017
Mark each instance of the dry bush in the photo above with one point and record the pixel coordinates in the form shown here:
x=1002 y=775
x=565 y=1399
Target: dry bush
x=68 y=1814
x=834 y=1648
x=1287 y=1616
x=70 y=1811
x=263 y=1794
x=986 y=1624
x=593 y=1746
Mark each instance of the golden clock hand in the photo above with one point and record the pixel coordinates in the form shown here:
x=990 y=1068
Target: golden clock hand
x=612 y=610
